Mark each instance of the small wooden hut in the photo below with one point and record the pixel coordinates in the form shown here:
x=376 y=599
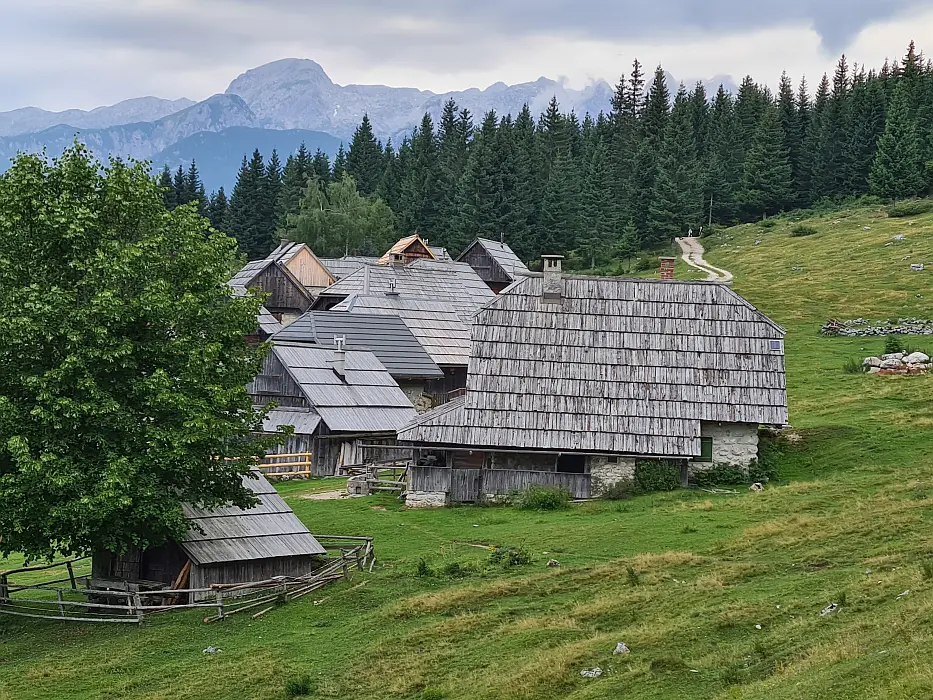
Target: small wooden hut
x=224 y=545
x=495 y=262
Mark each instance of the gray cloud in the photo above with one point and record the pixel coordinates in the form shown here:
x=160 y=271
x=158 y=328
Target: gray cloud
x=124 y=48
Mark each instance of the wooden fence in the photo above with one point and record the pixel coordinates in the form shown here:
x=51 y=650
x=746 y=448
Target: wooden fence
x=295 y=464
x=96 y=605
x=468 y=484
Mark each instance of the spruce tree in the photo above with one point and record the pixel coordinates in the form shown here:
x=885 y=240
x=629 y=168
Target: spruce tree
x=168 y=188
x=340 y=164
x=194 y=189
x=790 y=123
x=180 y=183
x=419 y=197
x=217 y=209
x=294 y=182
x=528 y=190
x=454 y=133
x=561 y=222
x=364 y=159
x=768 y=181
x=812 y=164
x=601 y=229
x=320 y=167
x=898 y=169
x=479 y=190
x=246 y=218
x=864 y=124
x=724 y=171
x=657 y=108
x=390 y=184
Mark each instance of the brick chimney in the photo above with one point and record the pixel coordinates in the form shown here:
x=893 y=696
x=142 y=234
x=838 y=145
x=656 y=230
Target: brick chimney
x=667 y=268
x=553 y=287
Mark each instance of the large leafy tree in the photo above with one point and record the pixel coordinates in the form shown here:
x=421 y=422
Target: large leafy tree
x=124 y=363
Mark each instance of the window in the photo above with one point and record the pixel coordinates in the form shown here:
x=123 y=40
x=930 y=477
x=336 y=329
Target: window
x=706 y=450
x=612 y=460
x=571 y=464
x=776 y=345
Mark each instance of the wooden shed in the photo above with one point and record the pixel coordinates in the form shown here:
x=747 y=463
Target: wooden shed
x=572 y=379
x=288 y=298
x=408 y=250
x=223 y=545
x=495 y=263
x=307 y=268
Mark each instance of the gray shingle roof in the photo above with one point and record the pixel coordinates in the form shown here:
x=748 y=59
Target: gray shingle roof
x=387 y=337
x=437 y=280
x=304 y=421
x=347 y=265
x=248 y=273
x=365 y=399
x=443 y=334
x=619 y=366
x=503 y=255
x=231 y=534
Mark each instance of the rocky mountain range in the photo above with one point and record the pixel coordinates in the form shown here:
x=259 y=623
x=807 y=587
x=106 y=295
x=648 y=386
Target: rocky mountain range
x=292 y=94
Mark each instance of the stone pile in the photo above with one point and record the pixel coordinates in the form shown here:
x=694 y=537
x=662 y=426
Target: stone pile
x=861 y=327
x=898 y=363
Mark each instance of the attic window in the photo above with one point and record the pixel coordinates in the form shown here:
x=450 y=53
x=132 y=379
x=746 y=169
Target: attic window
x=776 y=345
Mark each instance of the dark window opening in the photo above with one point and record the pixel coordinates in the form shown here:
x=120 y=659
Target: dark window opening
x=613 y=460
x=706 y=450
x=571 y=464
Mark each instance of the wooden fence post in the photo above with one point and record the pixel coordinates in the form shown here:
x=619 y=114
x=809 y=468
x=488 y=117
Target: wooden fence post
x=4 y=589
x=71 y=575
x=220 y=605
x=138 y=604
x=61 y=605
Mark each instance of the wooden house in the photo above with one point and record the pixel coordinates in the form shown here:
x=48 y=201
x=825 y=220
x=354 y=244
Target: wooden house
x=454 y=283
x=337 y=400
x=386 y=336
x=573 y=379
x=495 y=263
x=288 y=298
x=408 y=250
x=347 y=265
x=223 y=545
x=442 y=332
x=307 y=268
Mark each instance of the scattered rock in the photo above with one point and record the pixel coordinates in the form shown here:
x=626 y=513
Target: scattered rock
x=903 y=595
x=866 y=228
x=916 y=267
x=211 y=650
x=757 y=627
x=622 y=648
x=830 y=609
x=592 y=672
x=553 y=563
x=892 y=364
x=893 y=356
x=756 y=487
x=796 y=269
x=865 y=328
x=917 y=358
x=899 y=237
x=872 y=362
x=874 y=370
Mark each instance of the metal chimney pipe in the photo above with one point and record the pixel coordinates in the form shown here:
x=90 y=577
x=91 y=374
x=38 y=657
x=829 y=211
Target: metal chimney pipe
x=340 y=356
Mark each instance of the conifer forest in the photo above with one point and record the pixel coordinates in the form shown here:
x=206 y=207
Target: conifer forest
x=593 y=187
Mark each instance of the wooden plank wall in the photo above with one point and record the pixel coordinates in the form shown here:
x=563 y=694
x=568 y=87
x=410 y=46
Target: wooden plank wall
x=461 y=482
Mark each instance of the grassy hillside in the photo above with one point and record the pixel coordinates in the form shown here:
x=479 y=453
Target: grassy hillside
x=718 y=596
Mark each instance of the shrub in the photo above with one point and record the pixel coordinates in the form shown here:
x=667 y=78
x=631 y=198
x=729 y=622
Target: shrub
x=853 y=366
x=767 y=223
x=643 y=264
x=543 y=498
x=300 y=687
x=424 y=571
x=510 y=556
x=631 y=576
x=620 y=491
x=455 y=569
x=802 y=230
x=910 y=207
x=721 y=474
x=765 y=468
x=656 y=475
x=893 y=344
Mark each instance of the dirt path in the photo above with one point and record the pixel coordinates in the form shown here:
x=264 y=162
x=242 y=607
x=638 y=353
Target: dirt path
x=693 y=256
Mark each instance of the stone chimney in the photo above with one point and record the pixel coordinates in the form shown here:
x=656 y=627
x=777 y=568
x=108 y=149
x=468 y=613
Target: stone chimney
x=553 y=287
x=340 y=356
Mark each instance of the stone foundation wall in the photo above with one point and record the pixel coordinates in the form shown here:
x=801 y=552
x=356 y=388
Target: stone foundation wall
x=733 y=443
x=605 y=474
x=426 y=499
x=414 y=390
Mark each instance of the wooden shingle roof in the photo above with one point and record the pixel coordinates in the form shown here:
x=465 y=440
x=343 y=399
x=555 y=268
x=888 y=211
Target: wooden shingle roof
x=510 y=264
x=618 y=366
x=229 y=534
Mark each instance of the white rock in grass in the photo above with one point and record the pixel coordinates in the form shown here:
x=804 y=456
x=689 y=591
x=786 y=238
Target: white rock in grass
x=892 y=364
x=917 y=358
x=872 y=362
x=592 y=672
x=622 y=648
x=893 y=356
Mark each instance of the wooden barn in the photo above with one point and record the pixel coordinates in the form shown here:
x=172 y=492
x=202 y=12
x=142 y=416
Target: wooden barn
x=573 y=379
x=307 y=268
x=408 y=250
x=495 y=263
x=442 y=332
x=288 y=298
x=347 y=265
x=224 y=545
x=386 y=336
x=338 y=401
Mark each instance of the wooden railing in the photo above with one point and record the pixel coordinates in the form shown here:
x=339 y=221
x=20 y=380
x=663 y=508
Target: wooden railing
x=295 y=464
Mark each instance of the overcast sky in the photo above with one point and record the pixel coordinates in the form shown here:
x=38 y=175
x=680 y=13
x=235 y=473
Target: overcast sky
x=59 y=54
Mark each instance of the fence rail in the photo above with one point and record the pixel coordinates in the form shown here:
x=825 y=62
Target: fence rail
x=103 y=605
x=295 y=464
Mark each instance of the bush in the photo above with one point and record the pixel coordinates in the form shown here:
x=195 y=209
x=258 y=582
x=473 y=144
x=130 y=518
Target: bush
x=620 y=491
x=721 y=475
x=893 y=344
x=643 y=264
x=926 y=569
x=510 y=556
x=543 y=498
x=910 y=207
x=802 y=230
x=767 y=223
x=424 y=571
x=853 y=366
x=300 y=687
x=656 y=475
x=631 y=576
x=765 y=468
x=455 y=569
